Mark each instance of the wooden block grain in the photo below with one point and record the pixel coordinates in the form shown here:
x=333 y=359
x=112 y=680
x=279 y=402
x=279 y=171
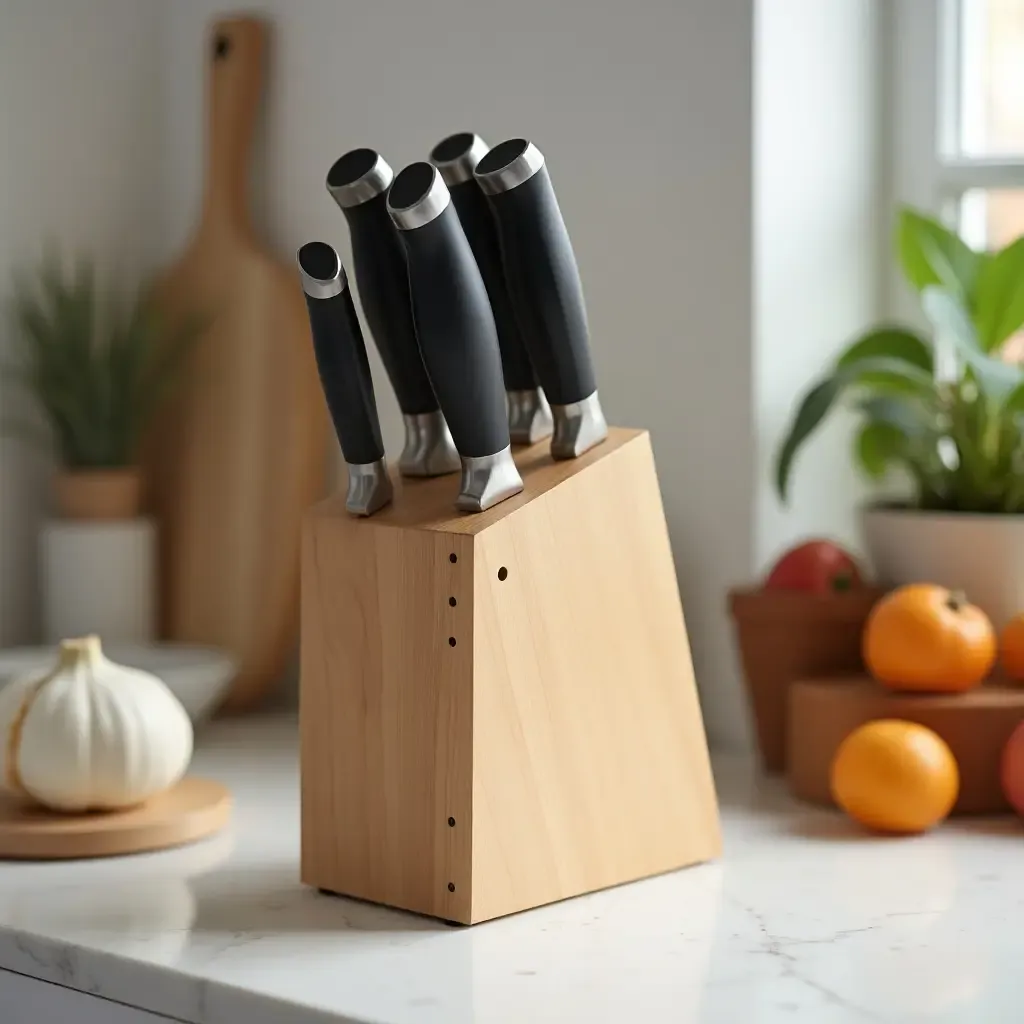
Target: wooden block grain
x=498 y=710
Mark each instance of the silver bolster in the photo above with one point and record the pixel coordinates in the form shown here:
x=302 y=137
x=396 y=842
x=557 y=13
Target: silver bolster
x=428 y=207
x=514 y=173
x=429 y=449
x=578 y=427
x=486 y=480
x=321 y=288
x=529 y=416
x=460 y=168
x=369 y=487
x=376 y=180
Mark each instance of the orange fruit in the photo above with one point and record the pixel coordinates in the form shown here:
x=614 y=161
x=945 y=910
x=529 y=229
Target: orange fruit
x=1011 y=648
x=895 y=776
x=929 y=639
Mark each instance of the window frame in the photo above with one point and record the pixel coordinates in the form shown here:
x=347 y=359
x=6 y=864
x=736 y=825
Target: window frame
x=922 y=118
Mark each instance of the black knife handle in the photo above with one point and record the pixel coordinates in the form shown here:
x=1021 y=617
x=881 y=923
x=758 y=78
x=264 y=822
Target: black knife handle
x=359 y=182
x=540 y=269
x=340 y=354
x=456 y=158
x=454 y=322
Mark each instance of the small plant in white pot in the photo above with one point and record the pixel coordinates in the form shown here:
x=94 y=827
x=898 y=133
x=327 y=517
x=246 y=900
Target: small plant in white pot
x=97 y=370
x=943 y=413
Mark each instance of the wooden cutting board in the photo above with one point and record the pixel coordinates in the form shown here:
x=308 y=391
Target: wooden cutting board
x=240 y=449
x=191 y=810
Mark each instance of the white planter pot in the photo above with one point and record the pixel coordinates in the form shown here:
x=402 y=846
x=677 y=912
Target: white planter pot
x=982 y=555
x=99 y=577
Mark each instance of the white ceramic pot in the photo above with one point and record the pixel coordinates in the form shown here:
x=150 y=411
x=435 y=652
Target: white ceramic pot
x=982 y=555
x=99 y=577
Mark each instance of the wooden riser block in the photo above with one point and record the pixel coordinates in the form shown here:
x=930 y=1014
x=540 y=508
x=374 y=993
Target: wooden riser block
x=498 y=710
x=976 y=725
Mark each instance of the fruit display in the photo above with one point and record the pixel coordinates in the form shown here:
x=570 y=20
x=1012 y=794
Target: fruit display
x=895 y=776
x=816 y=566
x=925 y=638
x=932 y=720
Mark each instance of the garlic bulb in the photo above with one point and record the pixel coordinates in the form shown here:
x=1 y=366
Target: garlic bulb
x=90 y=734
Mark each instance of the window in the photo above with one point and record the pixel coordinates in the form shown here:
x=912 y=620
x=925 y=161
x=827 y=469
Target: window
x=957 y=118
x=965 y=60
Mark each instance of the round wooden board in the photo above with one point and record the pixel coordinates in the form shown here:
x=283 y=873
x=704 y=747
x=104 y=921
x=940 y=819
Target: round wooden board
x=976 y=725
x=193 y=809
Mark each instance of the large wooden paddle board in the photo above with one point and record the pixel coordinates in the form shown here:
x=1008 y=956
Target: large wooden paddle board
x=239 y=451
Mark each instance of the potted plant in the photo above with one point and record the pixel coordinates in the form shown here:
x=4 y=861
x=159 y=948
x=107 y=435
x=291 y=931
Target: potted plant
x=941 y=415
x=97 y=370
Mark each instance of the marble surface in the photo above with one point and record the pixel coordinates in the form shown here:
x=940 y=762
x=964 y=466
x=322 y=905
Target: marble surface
x=805 y=918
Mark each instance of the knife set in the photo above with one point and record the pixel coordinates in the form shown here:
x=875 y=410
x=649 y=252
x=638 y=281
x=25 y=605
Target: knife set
x=495 y=711
x=470 y=289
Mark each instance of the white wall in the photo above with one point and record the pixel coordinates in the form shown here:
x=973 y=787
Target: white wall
x=644 y=113
x=79 y=140
x=818 y=247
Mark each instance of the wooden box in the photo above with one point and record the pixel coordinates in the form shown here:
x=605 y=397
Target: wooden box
x=784 y=635
x=975 y=725
x=498 y=710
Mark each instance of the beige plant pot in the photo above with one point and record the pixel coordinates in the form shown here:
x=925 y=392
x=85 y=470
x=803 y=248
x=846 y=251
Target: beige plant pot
x=982 y=555
x=99 y=494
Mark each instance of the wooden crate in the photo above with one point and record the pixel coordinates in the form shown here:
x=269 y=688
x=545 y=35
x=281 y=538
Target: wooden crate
x=975 y=725
x=498 y=710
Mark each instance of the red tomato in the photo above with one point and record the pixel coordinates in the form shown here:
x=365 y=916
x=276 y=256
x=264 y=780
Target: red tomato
x=818 y=566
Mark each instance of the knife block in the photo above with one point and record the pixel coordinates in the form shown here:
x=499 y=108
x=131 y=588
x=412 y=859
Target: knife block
x=498 y=710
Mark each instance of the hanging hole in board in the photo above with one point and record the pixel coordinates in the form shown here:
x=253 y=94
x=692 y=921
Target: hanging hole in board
x=452 y=602
x=451 y=823
x=503 y=574
x=221 y=47
x=451 y=887
x=453 y=558
x=451 y=641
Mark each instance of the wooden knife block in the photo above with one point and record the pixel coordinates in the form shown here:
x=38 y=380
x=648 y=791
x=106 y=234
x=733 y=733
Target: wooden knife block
x=498 y=710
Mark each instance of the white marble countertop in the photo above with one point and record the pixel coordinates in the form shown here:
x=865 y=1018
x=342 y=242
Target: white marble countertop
x=803 y=919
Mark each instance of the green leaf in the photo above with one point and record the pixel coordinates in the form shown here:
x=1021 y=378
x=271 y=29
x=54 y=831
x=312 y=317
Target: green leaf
x=886 y=376
x=931 y=254
x=999 y=306
x=1014 y=403
x=813 y=409
x=889 y=343
x=952 y=322
x=878 y=446
x=911 y=419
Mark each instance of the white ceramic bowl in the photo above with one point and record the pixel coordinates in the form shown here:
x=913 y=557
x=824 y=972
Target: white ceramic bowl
x=197 y=676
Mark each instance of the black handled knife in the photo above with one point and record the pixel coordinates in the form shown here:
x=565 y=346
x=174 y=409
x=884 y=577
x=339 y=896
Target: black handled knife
x=456 y=157
x=358 y=182
x=544 y=282
x=345 y=376
x=457 y=335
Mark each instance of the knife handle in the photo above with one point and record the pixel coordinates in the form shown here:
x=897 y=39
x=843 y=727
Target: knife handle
x=456 y=332
x=358 y=182
x=345 y=375
x=544 y=283
x=456 y=158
